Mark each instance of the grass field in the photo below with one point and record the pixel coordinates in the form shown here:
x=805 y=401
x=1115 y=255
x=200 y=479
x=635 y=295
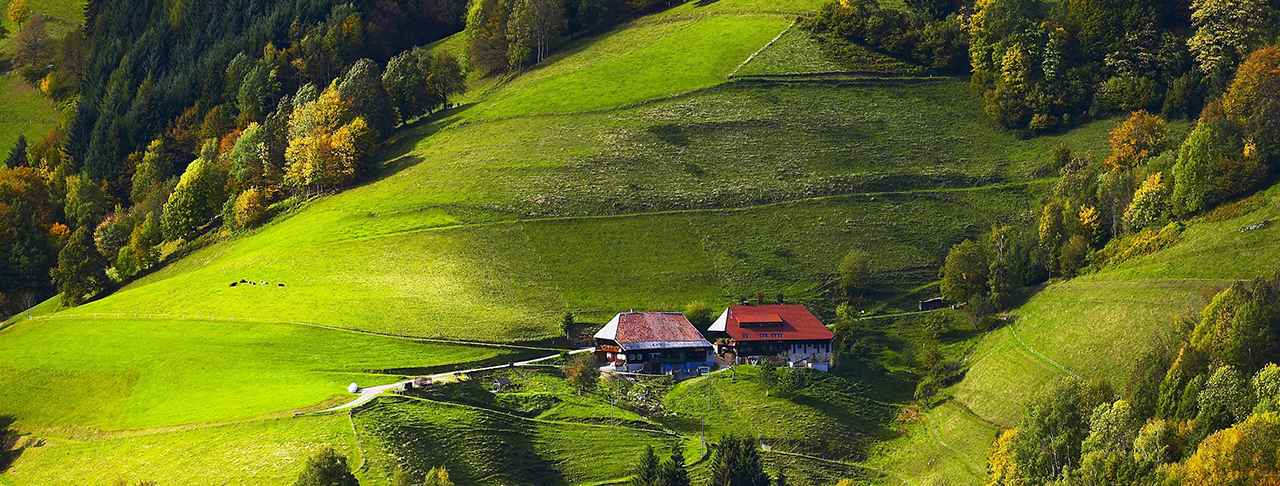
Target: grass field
x=131 y=374
x=947 y=446
x=24 y=112
x=479 y=446
x=266 y=452
x=1098 y=325
x=635 y=63
x=460 y=238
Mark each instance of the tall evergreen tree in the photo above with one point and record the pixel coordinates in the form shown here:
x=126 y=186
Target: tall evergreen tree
x=672 y=472
x=646 y=472
x=18 y=154
x=737 y=463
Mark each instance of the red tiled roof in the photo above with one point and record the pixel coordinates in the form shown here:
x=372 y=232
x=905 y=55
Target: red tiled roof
x=798 y=324
x=649 y=327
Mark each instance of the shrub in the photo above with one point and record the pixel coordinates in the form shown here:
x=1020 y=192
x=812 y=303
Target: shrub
x=326 y=468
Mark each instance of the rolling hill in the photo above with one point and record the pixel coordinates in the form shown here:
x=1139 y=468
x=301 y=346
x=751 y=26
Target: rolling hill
x=628 y=171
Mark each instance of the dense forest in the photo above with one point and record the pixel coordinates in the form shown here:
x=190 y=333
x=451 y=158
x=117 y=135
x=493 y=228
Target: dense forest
x=1042 y=66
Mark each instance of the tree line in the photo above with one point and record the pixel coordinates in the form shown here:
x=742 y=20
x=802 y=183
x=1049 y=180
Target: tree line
x=1042 y=66
x=504 y=35
x=1135 y=201
x=281 y=122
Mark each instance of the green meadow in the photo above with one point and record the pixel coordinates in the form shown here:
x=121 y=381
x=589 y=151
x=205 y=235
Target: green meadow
x=491 y=230
x=24 y=112
x=256 y=452
x=126 y=373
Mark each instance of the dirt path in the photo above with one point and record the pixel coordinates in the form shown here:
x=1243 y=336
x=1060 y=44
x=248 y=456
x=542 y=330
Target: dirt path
x=367 y=394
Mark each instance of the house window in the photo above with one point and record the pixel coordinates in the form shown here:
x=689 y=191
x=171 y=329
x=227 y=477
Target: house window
x=777 y=334
x=764 y=335
x=745 y=335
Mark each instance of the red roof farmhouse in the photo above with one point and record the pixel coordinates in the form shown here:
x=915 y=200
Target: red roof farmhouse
x=652 y=342
x=791 y=331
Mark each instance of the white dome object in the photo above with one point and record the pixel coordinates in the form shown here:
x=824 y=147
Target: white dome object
x=353 y=387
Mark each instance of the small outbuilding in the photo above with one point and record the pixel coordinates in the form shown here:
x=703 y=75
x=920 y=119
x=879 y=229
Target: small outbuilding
x=932 y=304
x=500 y=383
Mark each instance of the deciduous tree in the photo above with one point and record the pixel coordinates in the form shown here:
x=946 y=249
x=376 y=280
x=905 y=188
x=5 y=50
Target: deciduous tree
x=328 y=144
x=583 y=371
x=1225 y=32
x=196 y=199
x=81 y=270
x=156 y=166
x=406 y=85
x=486 y=35
x=965 y=272
x=362 y=88
x=855 y=274
x=19 y=12
x=1140 y=136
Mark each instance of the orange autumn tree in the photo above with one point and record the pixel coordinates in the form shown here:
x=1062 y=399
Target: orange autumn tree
x=1258 y=77
x=1248 y=453
x=1139 y=137
x=328 y=144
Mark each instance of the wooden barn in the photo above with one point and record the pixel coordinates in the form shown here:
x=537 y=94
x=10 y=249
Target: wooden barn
x=652 y=342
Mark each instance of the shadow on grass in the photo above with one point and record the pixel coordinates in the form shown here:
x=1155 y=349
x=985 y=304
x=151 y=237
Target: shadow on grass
x=8 y=451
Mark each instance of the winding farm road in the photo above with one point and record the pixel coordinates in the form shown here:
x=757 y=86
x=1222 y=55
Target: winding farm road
x=369 y=393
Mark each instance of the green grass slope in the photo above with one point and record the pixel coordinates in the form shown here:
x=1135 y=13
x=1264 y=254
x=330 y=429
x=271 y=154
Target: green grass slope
x=132 y=374
x=1098 y=325
x=267 y=452
x=479 y=446
x=23 y=110
x=490 y=230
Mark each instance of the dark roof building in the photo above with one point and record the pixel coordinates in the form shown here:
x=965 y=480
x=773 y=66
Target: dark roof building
x=755 y=331
x=652 y=342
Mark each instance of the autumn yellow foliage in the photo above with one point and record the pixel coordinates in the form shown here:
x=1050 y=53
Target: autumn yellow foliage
x=1140 y=136
x=1004 y=472
x=1248 y=453
x=327 y=144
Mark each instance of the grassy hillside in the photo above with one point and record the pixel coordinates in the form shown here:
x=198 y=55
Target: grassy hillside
x=489 y=230
x=131 y=374
x=1098 y=325
x=484 y=447
x=267 y=452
